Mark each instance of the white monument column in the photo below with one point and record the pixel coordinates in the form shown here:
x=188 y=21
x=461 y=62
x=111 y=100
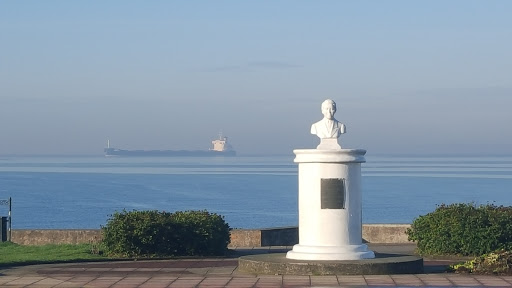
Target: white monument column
x=330 y=217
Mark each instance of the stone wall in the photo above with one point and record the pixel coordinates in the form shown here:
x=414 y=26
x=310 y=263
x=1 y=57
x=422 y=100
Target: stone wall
x=245 y=238
x=283 y=236
x=64 y=236
x=385 y=233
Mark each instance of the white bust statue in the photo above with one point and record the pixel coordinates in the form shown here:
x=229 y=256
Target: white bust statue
x=328 y=129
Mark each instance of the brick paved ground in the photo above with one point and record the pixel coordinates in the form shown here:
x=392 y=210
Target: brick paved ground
x=222 y=272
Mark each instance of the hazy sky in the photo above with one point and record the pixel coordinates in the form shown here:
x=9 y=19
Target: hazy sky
x=408 y=76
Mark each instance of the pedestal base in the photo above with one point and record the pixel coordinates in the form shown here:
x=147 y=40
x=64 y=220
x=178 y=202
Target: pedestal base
x=277 y=264
x=348 y=252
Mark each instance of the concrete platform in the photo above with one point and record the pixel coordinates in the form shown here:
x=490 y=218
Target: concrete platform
x=383 y=263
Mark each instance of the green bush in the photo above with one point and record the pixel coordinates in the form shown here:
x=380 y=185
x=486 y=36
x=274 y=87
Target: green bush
x=497 y=263
x=154 y=233
x=463 y=229
x=204 y=233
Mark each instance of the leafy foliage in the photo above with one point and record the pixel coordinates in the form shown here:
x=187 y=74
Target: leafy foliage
x=497 y=263
x=154 y=233
x=463 y=229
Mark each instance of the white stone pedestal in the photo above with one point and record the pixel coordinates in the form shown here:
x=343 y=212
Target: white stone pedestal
x=330 y=218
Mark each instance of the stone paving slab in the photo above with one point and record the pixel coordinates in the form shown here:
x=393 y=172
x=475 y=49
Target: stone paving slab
x=466 y=281
x=222 y=272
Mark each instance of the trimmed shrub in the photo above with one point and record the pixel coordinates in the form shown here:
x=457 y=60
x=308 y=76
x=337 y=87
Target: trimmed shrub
x=463 y=229
x=157 y=234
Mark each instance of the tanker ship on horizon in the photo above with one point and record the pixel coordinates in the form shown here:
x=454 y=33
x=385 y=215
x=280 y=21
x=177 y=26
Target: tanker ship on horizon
x=220 y=147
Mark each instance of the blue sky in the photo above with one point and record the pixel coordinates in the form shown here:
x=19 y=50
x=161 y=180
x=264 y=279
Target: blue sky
x=409 y=77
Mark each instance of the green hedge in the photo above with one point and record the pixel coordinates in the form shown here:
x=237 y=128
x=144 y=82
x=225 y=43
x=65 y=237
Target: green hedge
x=463 y=229
x=155 y=233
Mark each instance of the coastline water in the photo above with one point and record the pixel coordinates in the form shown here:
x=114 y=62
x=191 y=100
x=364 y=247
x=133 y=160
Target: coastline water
x=250 y=192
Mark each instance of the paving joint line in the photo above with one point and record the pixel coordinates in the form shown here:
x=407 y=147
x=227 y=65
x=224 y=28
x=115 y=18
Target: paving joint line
x=393 y=280
x=172 y=282
x=146 y=279
x=91 y=281
x=7 y=283
x=111 y=285
x=451 y=282
x=507 y=281
x=421 y=280
x=197 y=285
x=61 y=281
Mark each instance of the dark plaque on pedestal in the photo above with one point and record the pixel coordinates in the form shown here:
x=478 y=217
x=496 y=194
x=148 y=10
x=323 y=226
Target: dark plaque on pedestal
x=332 y=191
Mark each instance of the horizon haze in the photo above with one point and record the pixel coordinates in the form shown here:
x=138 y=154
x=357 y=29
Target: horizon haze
x=408 y=77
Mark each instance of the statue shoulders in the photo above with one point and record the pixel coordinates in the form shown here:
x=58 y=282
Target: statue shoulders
x=318 y=122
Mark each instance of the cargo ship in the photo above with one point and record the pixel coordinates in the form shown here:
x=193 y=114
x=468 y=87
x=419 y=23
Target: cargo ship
x=220 y=147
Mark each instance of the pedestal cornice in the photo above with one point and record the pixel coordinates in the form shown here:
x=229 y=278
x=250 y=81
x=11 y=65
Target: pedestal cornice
x=329 y=156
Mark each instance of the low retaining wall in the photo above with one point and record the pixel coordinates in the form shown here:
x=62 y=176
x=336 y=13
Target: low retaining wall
x=385 y=233
x=51 y=236
x=283 y=236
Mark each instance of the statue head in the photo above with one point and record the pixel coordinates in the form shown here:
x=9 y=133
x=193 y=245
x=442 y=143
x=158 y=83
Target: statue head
x=328 y=109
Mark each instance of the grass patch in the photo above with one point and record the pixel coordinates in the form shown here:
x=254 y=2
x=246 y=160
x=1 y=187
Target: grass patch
x=13 y=254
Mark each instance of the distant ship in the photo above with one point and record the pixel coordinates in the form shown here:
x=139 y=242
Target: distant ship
x=220 y=148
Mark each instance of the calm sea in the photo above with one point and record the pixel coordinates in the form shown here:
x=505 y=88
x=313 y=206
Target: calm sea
x=250 y=192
